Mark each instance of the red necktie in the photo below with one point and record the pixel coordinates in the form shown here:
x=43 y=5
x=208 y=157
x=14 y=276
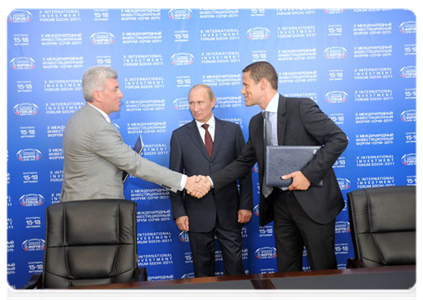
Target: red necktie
x=208 y=140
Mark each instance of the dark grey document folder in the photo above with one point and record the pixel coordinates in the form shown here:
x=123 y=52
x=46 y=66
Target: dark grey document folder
x=137 y=148
x=283 y=160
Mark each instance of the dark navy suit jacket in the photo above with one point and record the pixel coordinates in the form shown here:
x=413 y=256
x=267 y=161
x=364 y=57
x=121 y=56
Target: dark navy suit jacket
x=188 y=154
x=302 y=123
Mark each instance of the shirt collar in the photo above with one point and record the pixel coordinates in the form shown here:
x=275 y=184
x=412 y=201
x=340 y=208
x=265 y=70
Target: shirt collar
x=211 y=122
x=106 y=116
x=273 y=104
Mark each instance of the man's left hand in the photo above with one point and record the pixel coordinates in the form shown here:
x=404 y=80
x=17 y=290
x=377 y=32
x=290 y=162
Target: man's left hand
x=244 y=215
x=299 y=181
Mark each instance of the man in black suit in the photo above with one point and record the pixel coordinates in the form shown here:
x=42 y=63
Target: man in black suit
x=204 y=146
x=303 y=215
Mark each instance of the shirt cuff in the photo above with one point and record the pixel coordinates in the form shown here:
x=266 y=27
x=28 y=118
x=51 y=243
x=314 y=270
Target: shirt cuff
x=183 y=182
x=212 y=184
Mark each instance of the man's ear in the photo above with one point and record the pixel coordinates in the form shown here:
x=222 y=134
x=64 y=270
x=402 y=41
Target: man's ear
x=263 y=83
x=96 y=95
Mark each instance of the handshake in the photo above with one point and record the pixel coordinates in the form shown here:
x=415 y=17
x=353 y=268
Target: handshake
x=198 y=186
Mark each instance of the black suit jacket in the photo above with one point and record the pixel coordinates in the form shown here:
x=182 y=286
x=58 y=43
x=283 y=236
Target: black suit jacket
x=188 y=154
x=300 y=122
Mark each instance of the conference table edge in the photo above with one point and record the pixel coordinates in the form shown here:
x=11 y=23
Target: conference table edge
x=259 y=281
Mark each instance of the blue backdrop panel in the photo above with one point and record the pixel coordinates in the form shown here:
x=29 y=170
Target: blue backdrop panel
x=358 y=65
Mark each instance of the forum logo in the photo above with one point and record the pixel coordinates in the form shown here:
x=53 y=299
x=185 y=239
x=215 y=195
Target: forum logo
x=408 y=27
x=409 y=159
x=408 y=72
x=25 y=109
x=183 y=237
x=102 y=38
x=342 y=227
x=335 y=52
x=266 y=253
x=180 y=14
x=344 y=184
x=181 y=103
x=34 y=245
x=19 y=16
x=31 y=200
x=409 y=115
x=256 y=210
x=182 y=59
x=22 y=63
x=258 y=33
x=336 y=97
x=28 y=154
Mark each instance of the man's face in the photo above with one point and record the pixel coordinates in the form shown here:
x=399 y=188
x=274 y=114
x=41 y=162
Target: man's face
x=200 y=104
x=110 y=97
x=250 y=90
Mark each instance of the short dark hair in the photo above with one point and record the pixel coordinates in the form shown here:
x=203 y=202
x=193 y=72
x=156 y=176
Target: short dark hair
x=263 y=69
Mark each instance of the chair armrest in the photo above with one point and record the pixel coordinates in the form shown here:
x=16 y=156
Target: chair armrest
x=140 y=274
x=354 y=263
x=34 y=282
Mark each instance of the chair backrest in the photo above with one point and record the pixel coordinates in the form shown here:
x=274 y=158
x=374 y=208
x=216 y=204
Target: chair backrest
x=383 y=225
x=90 y=242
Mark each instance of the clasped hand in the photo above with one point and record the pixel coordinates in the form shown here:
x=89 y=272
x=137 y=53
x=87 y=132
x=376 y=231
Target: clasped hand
x=299 y=181
x=198 y=186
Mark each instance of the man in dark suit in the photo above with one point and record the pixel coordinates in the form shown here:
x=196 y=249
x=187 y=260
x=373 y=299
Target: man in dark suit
x=303 y=215
x=204 y=146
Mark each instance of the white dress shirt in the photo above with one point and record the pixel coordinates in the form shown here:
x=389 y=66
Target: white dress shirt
x=272 y=107
x=106 y=116
x=211 y=129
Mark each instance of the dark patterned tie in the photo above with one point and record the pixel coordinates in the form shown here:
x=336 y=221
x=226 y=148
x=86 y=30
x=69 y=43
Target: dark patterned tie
x=208 y=140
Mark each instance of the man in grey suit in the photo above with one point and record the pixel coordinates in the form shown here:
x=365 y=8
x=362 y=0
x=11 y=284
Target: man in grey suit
x=95 y=154
x=204 y=146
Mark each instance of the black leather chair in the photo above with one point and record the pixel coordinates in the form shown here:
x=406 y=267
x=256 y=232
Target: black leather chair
x=383 y=226
x=89 y=243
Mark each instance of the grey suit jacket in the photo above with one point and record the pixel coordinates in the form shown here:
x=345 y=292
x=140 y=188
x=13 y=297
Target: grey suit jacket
x=95 y=156
x=188 y=153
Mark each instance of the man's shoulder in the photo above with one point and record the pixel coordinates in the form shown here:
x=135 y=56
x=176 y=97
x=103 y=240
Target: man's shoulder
x=256 y=116
x=297 y=103
x=85 y=111
x=86 y=118
x=230 y=124
x=183 y=128
x=298 y=100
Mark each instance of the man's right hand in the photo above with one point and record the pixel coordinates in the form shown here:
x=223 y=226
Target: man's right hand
x=182 y=223
x=197 y=186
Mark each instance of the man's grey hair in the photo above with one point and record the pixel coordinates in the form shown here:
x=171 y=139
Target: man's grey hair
x=95 y=79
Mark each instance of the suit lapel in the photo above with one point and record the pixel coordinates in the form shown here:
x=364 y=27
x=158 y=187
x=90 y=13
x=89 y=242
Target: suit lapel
x=196 y=139
x=281 y=120
x=260 y=130
x=219 y=133
x=257 y=136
